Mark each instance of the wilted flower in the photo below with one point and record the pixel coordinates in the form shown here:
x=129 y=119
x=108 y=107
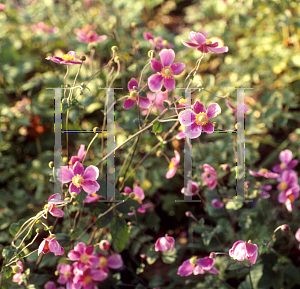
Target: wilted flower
x=67 y=59
x=285 y=158
x=157 y=42
x=166 y=71
x=242 y=250
x=51 y=207
x=173 y=165
x=202 y=44
x=164 y=243
x=50 y=244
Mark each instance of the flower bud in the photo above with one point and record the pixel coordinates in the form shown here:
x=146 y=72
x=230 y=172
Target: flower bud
x=75 y=204
x=225 y=167
x=151 y=53
x=52 y=236
x=121 y=179
x=212 y=255
x=82 y=58
x=104 y=245
x=73 y=195
x=56 y=273
x=51 y=165
x=114 y=48
x=285 y=227
x=132 y=195
x=165 y=42
x=143 y=256
x=116 y=59
x=95 y=129
x=159 y=154
x=67 y=199
x=132 y=24
x=16 y=268
x=132 y=208
x=37 y=230
x=188 y=213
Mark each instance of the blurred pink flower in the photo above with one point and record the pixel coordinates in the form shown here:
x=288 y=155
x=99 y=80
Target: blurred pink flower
x=209 y=176
x=264 y=173
x=166 y=71
x=158 y=106
x=243 y=106
x=157 y=42
x=65 y=274
x=85 y=29
x=285 y=158
x=91 y=198
x=90 y=37
x=217 y=203
x=17 y=275
x=51 y=207
x=50 y=245
x=241 y=250
x=51 y=285
x=41 y=26
x=165 y=243
x=2 y=7
x=80 y=156
x=191 y=189
x=138 y=196
x=67 y=59
x=202 y=44
x=173 y=165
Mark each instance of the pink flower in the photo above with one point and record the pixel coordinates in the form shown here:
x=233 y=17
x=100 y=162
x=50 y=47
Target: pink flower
x=88 y=277
x=264 y=194
x=2 y=7
x=197 y=266
x=285 y=158
x=297 y=236
x=91 y=198
x=263 y=173
x=50 y=244
x=90 y=37
x=164 y=243
x=80 y=156
x=114 y=261
x=104 y=245
x=202 y=44
x=198 y=118
x=166 y=71
x=234 y=108
x=67 y=59
x=41 y=26
x=138 y=196
x=80 y=178
x=51 y=207
x=51 y=285
x=217 y=203
x=161 y=97
x=157 y=42
x=173 y=165
x=84 y=255
x=85 y=29
x=209 y=176
x=191 y=189
x=134 y=96
x=17 y=275
x=242 y=250
x=65 y=274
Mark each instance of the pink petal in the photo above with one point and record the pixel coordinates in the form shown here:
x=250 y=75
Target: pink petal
x=186 y=268
x=91 y=173
x=133 y=82
x=41 y=246
x=206 y=263
x=78 y=169
x=282 y=197
x=292 y=164
x=100 y=38
x=214 y=271
x=171 y=173
x=208 y=128
x=297 y=235
x=198 y=38
x=218 y=49
x=97 y=275
x=251 y=249
x=57 y=213
x=55 y=247
x=213 y=110
x=169 y=83
x=229 y=104
x=115 y=261
x=177 y=68
x=186 y=117
x=72 y=53
x=156 y=65
x=73 y=255
x=81 y=152
x=127 y=190
x=55 y=197
x=148 y=36
x=155 y=82
x=177 y=157
x=180 y=135
x=198 y=270
x=144 y=102
x=277 y=169
x=199 y=107
x=167 y=57
x=65 y=175
x=74 y=189
x=286 y=156
x=80 y=248
x=90 y=187
x=189 y=44
x=139 y=192
x=191 y=133
x=128 y=103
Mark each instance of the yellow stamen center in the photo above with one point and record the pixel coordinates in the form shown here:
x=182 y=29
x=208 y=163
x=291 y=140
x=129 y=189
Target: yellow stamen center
x=87 y=280
x=103 y=262
x=208 y=41
x=282 y=166
x=133 y=95
x=207 y=175
x=68 y=57
x=167 y=72
x=201 y=118
x=78 y=181
x=283 y=185
x=171 y=165
x=263 y=171
x=291 y=198
x=84 y=258
x=181 y=101
x=193 y=260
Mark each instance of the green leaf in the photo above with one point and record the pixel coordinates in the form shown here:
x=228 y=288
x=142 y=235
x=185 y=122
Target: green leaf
x=104 y=220
x=119 y=233
x=8 y=252
x=165 y=104
x=207 y=236
x=142 y=94
x=125 y=207
x=169 y=257
x=157 y=127
x=151 y=255
x=81 y=197
x=7 y=271
x=235 y=267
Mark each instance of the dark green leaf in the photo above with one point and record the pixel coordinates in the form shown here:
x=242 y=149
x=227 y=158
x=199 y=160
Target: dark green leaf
x=7 y=271
x=157 y=127
x=119 y=233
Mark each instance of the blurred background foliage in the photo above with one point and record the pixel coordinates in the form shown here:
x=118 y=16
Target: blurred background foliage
x=263 y=39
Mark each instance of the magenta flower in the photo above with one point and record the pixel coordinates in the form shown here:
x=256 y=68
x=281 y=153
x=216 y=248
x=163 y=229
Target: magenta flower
x=51 y=207
x=166 y=71
x=2 y=7
x=67 y=59
x=161 y=97
x=104 y=245
x=242 y=250
x=134 y=97
x=114 y=261
x=90 y=37
x=41 y=26
x=138 y=196
x=80 y=178
x=198 y=118
x=173 y=165
x=80 y=156
x=164 y=243
x=264 y=173
x=209 y=176
x=88 y=277
x=84 y=256
x=197 y=266
x=65 y=274
x=91 y=198
x=217 y=203
x=191 y=189
x=17 y=278
x=50 y=244
x=297 y=236
x=242 y=106
x=285 y=158
x=51 y=285
x=202 y=44
x=157 y=42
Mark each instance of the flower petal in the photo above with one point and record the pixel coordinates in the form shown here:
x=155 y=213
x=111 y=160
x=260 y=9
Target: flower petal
x=81 y=152
x=78 y=169
x=199 y=107
x=91 y=173
x=155 y=82
x=57 y=213
x=65 y=175
x=74 y=189
x=206 y=263
x=189 y=44
x=171 y=173
x=213 y=110
x=115 y=261
x=198 y=38
x=90 y=187
x=177 y=68
x=167 y=57
x=186 y=117
x=128 y=103
x=133 y=82
x=139 y=192
x=148 y=36
x=285 y=156
x=156 y=65
x=144 y=102
x=186 y=268
x=208 y=128
x=218 y=49
x=169 y=83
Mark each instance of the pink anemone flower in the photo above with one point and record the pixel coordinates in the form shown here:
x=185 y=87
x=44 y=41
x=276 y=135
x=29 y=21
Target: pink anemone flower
x=134 y=97
x=173 y=165
x=285 y=158
x=87 y=277
x=198 y=118
x=191 y=189
x=157 y=42
x=234 y=107
x=138 y=196
x=80 y=178
x=90 y=37
x=50 y=244
x=217 y=203
x=51 y=206
x=264 y=173
x=164 y=243
x=65 y=274
x=80 y=156
x=67 y=59
x=244 y=250
x=51 y=285
x=165 y=70
x=202 y=44
x=209 y=176
x=114 y=261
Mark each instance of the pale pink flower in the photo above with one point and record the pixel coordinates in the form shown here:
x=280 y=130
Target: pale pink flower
x=41 y=26
x=51 y=207
x=90 y=37
x=164 y=243
x=191 y=189
x=264 y=173
x=243 y=250
x=17 y=275
x=157 y=42
x=217 y=203
x=209 y=176
x=67 y=59
x=173 y=165
x=287 y=162
x=80 y=156
x=50 y=245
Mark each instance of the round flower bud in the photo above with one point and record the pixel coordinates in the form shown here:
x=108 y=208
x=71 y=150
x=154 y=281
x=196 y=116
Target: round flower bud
x=67 y=199
x=121 y=179
x=56 y=273
x=212 y=255
x=51 y=165
x=37 y=230
x=151 y=53
x=159 y=154
x=285 y=227
x=114 y=48
x=132 y=24
x=75 y=204
x=188 y=213
x=143 y=256
x=132 y=195
x=52 y=236
x=16 y=268
x=95 y=129
x=73 y=195
x=104 y=245
x=82 y=58
x=132 y=208
x=116 y=59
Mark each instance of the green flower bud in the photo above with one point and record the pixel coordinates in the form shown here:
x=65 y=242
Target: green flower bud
x=114 y=48
x=159 y=154
x=51 y=165
x=132 y=208
x=151 y=53
x=74 y=195
x=52 y=236
x=16 y=269
x=116 y=59
x=82 y=58
x=132 y=195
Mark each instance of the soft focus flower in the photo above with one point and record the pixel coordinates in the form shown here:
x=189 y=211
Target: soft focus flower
x=234 y=107
x=138 y=196
x=91 y=198
x=173 y=165
x=297 y=236
x=17 y=276
x=198 y=118
x=241 y=250
x=84 y=255
x=85 y=29
x=51 y=207
x=2 y=7
x=263 y=173
x=166 y=71
x=191 y=189
x=264 y=194
x=134 y=97
x=50 y=244
x=157 y=42
x=65 y=274
x=67 y=59
x=90 y=37
x=161 y=97
x=285 y=158
x=164 y=243
x=80 y=178
x=217 y=203
x=51 y=285
x=197 y=266
x=80 y=156
x=104 y=245
x=87 y=277
x=209 y=176
x=202 y=44
x=41 y=26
